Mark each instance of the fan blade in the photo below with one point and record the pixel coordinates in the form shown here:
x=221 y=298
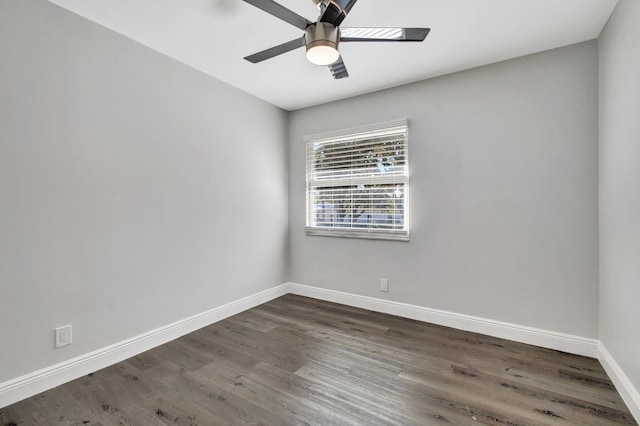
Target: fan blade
x=383 y=34
x=279 y=11
x=338 y=69
x=336 y=11
x=275 y=51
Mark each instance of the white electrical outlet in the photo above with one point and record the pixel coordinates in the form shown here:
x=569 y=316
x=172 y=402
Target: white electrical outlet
x=384 y=284
x=63 y=336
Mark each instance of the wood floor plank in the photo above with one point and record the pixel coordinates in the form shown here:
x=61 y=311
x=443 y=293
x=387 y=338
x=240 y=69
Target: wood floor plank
x=301 y=361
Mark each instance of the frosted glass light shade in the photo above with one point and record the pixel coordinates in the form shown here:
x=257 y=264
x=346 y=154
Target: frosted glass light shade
x=322 y=55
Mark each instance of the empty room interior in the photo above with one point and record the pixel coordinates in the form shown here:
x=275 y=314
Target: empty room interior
x=319 y=212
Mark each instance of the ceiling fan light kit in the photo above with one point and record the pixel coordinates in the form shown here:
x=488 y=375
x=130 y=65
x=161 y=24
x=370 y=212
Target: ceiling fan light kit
x=322 y=37
x=322 y=41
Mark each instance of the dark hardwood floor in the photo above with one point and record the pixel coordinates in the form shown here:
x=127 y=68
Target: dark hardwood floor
x=302 y=361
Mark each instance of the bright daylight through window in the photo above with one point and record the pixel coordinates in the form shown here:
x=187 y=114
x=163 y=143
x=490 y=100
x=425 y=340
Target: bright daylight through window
x=357 y=182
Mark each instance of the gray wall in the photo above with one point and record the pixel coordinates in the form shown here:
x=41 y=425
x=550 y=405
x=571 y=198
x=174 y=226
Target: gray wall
x=134 y=191
x=620 y=188
x=504 y=198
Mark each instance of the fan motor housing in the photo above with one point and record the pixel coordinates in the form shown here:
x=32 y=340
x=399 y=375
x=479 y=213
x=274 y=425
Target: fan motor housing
x=322 y=34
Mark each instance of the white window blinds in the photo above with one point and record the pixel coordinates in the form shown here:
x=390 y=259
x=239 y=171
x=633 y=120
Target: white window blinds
x=357 y=182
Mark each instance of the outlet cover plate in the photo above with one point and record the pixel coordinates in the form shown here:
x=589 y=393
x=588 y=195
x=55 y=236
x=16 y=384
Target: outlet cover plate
x=384 y=284
x=63 y=336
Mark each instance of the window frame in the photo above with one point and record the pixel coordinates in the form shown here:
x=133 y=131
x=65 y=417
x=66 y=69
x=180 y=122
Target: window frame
x=394 y=178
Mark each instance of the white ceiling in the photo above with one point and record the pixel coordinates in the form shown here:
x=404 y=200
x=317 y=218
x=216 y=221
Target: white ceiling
x=214 y=35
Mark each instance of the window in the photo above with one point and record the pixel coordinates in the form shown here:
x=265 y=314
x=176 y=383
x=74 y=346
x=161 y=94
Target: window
x=357 y=182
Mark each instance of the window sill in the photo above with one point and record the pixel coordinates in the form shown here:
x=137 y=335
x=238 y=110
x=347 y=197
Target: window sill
x=362 y=234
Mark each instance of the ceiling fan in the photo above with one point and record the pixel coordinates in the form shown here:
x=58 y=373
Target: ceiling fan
x=322 y=37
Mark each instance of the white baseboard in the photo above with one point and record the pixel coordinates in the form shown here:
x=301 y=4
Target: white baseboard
x=33 y=383
x=533 y=336
x=623 y=385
